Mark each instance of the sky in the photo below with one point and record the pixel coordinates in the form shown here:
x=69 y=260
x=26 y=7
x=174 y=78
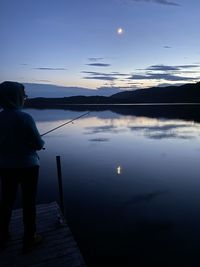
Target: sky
x=126 y=44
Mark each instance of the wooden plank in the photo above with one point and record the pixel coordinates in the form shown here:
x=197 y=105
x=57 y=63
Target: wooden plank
x=57 y=249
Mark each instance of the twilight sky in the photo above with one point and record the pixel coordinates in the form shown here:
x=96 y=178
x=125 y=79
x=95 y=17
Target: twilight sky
x=78 y=43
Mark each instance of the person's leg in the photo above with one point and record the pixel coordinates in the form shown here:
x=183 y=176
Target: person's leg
x=29 y=182
x=9 y=185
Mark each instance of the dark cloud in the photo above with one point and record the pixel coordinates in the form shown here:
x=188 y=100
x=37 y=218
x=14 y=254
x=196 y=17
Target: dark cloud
x=163 y=76
x=98 y=64
x=95 y=59
x=44 y=68
x=165 y=2
x=169 y=73
x=92 y=72
x=166 y=46
x=166 y=72
x=162 y=2
x=188 y=66
x=162 y=67
x=103 y=76
x=113 y=74
x=139 y=77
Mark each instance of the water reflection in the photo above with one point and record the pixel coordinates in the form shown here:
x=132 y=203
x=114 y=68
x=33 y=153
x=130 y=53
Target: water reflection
x=119 y=170
x=99 y=139
x=175 y=130
x=144 y=197
x=103 y=129
x=117 y=182
x=157 y=129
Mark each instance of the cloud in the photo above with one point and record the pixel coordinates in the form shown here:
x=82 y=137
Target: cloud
x=98 y=75
x=169 y=73
x=162 y=67
x=188 y=66
x=163 y=76
x=98 y=64
x=44 y=68
x=93 y=72
x=48 y=81
x=162 y=2
x=166 y=46
x=103 y=76
x=94 y=59
x=114 y=73
x=166 y=72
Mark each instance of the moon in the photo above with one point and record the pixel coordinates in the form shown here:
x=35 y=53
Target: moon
x=120 y=30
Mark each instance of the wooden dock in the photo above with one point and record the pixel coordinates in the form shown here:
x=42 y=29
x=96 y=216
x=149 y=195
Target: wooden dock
x=57 y=249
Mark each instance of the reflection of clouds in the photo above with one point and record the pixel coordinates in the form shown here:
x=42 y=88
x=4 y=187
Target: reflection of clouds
x=167 y=135
x=154 y=129
x=166 y=131
x=99 y=139
x=102 y=129
x=143 y=226
x=160 y=128
x=152 y=227
x=146 y=197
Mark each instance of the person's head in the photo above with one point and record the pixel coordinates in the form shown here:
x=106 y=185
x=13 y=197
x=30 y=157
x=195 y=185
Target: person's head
x=12 y=95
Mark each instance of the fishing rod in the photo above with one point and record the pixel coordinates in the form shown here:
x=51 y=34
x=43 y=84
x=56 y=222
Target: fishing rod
x=65 y=123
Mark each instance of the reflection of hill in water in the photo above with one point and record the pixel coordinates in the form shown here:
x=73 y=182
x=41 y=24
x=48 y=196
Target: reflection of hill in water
x=184 y=112
x=190 y=112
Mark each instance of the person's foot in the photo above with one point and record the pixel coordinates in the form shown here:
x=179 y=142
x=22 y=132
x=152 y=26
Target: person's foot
x=29 y=244
x=2 y=246
x=3 y=241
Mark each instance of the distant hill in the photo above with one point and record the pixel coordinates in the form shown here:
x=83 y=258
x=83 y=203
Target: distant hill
x=55 y=91
x=188 y=93
x=42 y=102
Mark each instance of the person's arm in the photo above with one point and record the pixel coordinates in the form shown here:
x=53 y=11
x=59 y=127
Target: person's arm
x=33 y=135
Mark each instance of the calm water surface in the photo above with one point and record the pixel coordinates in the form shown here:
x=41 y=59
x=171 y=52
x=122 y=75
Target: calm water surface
x=131 y=185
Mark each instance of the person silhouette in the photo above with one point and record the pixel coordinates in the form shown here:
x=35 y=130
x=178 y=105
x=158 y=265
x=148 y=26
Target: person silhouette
x=19 y=162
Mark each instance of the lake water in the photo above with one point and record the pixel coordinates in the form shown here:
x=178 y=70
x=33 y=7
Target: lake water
x=131 y=185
